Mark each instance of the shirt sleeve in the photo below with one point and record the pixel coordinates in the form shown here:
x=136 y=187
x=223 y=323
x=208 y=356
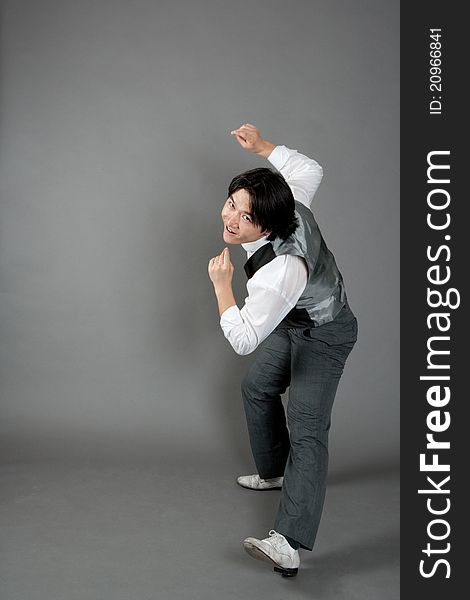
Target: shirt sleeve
x=272 y=292
x=302 y=174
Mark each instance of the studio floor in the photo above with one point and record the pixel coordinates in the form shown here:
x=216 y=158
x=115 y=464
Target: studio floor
x=143 y=530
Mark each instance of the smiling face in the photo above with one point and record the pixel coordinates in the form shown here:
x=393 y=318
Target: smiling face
x=238 y=220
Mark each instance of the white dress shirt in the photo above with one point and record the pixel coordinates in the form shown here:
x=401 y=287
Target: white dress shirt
x=275 y=288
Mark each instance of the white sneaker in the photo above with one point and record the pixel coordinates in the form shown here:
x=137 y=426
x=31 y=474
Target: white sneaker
x=254 y=482
x=275 y=550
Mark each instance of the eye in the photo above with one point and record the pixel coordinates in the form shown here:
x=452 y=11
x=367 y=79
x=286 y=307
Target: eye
x=247 y=218
x=230 y=203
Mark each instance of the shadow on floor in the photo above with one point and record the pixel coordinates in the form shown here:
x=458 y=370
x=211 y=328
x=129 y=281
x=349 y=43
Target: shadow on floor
x=325 y=575
x=364 y=472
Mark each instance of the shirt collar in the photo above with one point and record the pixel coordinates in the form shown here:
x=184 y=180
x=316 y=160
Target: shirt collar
x=252 y=247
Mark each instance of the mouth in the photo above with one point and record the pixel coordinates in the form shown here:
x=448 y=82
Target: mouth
x=230 y=231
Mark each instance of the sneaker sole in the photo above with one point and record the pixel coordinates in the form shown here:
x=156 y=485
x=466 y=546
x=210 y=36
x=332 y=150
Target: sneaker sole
x=263 y=489
x=255 y=552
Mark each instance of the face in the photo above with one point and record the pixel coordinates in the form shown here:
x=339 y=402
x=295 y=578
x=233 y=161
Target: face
x=238 y=220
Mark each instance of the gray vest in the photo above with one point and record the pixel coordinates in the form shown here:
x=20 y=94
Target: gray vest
x=324 y=295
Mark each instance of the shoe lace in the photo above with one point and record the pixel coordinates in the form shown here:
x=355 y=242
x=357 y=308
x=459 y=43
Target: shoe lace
x=275 y=534
x=279 y=541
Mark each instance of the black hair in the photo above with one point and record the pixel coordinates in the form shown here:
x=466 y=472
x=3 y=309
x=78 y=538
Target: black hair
x=271 y=199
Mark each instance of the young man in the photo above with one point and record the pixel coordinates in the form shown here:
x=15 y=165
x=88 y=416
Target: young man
x=297 y=312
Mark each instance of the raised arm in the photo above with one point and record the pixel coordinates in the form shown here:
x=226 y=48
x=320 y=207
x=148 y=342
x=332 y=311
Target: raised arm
x=303 y=174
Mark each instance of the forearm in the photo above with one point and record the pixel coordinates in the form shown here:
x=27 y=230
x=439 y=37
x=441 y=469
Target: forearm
x=303 y=174
x=295 y=167
x=225 y=297
x=265 y=148
x=272 y=292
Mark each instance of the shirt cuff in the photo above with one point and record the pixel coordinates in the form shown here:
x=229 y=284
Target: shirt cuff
x=278 y=157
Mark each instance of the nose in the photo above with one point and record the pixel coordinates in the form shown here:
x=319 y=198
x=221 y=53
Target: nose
x=232 y=221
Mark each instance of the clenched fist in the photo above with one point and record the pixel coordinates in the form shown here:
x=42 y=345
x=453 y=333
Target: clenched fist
x=221 y=269
x=249 y=137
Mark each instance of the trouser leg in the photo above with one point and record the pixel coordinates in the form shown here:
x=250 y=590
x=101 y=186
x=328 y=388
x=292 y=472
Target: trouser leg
x=266 y=380
x=317 y=365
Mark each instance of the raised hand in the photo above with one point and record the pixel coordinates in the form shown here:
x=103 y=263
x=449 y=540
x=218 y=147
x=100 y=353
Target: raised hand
x=249 y=137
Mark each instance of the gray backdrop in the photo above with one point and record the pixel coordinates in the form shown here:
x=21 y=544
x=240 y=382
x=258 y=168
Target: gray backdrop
x=115 y=159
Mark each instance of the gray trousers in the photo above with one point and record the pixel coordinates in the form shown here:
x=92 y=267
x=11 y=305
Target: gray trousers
x=311 y=362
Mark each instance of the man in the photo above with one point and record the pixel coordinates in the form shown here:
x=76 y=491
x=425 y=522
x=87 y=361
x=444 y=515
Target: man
x=297 y=312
